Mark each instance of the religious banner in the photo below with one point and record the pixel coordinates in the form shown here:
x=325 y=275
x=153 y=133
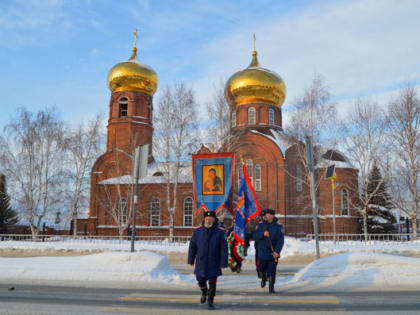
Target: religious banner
x=212 y=181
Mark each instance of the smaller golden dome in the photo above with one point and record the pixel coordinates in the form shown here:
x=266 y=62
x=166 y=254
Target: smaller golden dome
x=255 y=84
x=132 y=75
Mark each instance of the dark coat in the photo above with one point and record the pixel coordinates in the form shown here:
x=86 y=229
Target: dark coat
x=276 y=236
x=208 y=248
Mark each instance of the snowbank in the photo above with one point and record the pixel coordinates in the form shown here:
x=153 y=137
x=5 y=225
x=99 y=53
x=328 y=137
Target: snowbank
x=111 y=266
x=359 y=271
x=292 y=246
x=95 y=245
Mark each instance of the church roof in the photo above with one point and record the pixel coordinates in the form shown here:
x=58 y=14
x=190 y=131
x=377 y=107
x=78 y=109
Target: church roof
x=156 y=174
x=280 y=138
x=326 y=158
x=330 y=156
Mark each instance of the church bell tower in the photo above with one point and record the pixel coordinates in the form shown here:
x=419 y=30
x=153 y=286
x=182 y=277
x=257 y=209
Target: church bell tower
x=132 y=86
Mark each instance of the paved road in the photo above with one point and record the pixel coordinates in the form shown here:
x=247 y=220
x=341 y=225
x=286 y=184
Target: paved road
x=45 y=299
x=29 y=299
x=247 y=269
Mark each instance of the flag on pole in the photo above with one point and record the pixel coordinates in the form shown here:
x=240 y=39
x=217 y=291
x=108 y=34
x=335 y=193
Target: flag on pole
x=247 y=209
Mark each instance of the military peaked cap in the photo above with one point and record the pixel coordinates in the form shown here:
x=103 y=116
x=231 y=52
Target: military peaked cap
x=210 y=214
x=270 y=211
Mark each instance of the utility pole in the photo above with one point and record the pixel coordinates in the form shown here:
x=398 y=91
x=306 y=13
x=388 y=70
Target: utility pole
x=310 y=164
x=139 y=171
x=330 y=174
x=333 y=207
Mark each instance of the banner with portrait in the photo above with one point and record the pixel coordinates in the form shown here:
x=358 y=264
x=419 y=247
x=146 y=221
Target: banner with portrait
x=212 y=181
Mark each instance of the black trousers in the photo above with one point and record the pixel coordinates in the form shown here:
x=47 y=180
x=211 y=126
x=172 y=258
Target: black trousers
x=202 y=282
x=267 y=267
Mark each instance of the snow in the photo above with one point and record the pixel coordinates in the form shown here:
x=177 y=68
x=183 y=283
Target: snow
x=324 y=163
x=292 y=247
x=81 y=245
x=360 y=271
x=351 y=265
x=111 y=266
x=281 y=139
x=185 y=175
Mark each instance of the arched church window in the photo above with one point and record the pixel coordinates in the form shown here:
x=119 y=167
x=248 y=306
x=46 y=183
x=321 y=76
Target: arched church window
x=271 y=116
x=298 y=178
x=344 y=202
x=155 y=212
x=257 y=177
x=249 y=167
x=122 y=211
x=251 y=116
x=233 y=119
x=123 y=107
x=188 y=211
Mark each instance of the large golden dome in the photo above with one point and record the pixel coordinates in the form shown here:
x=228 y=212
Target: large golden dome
x=255 y=85
x=132 y=75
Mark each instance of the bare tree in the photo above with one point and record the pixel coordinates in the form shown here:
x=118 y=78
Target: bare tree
x=365 y=145
x=115 y=195
x=404 y=114
x=31 y=154
x=311 y=118
x=218 y=113
x=82 y=145
x=175 y=138
x=314 y=113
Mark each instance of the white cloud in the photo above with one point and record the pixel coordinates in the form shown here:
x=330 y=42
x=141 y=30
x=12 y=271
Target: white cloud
x=25 y=22
x=361 y=47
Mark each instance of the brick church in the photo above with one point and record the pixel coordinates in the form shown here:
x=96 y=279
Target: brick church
x=255 y=96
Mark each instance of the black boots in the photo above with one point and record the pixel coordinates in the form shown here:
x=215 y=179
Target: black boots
x=271 y=282
x=203 y=294
x=210 y=299
x=263 y=280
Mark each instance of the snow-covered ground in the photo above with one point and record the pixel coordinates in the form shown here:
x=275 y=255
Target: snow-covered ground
x=361 y=266
x=141 y=266
x=350 y=271
x=359 y=271
x=292 y=246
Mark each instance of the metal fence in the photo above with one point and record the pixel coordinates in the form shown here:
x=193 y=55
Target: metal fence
x=401 y=237
x=95 y=239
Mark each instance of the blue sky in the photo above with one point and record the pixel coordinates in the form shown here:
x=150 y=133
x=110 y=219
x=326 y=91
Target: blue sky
x=58 y=52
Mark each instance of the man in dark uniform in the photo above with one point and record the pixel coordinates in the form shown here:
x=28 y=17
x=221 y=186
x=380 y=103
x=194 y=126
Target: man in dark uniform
x=208 y=249
x=257 y=264
x=270 y=237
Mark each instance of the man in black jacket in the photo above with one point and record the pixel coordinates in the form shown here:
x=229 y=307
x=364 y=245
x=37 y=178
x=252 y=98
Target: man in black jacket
x=208 y=249
x=270 y=237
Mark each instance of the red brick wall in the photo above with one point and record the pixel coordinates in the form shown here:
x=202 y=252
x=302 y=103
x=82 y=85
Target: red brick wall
x=277 y=173
x=136 y=128
x=261 y=114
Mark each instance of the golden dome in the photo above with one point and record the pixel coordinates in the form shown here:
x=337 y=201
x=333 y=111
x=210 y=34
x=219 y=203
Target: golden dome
x=255 y=85
x=132 y=75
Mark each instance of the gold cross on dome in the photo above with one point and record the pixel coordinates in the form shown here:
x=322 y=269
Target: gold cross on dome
x=255 y=39
x=136 y=35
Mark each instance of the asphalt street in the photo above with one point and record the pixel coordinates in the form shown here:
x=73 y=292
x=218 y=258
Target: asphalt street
x=45 y=299
x=28 y=298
